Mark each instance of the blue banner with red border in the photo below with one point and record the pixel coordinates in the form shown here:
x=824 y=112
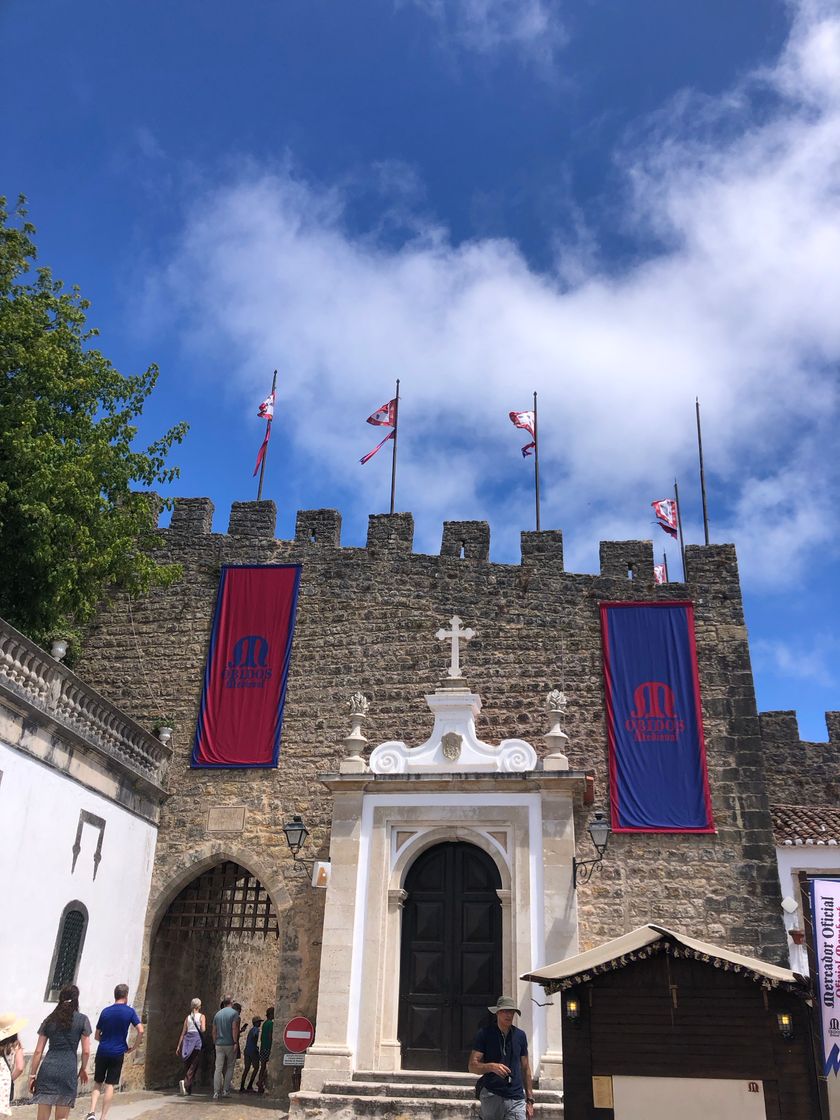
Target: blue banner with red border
x=241 y=714
x=658 y=776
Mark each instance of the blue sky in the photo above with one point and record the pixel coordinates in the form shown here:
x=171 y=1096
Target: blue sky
x=619 y=205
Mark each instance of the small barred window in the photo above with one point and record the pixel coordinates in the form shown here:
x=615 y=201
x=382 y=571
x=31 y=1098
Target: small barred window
x=68 y=948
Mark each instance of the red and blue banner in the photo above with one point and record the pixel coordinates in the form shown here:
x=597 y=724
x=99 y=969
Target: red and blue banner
x=658 y=777
x=241 y=713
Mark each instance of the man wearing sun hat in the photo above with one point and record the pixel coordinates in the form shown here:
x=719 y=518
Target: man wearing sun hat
x=500 y=1056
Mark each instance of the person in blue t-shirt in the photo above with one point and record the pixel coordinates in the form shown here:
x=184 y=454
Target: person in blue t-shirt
x=251 y=1054
x=112 y=1035
x=500 y=1056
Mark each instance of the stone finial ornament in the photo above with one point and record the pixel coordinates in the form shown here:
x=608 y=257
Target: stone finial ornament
x=355 y=742
x=359 y=704
x=556 y=738
x=556 y=701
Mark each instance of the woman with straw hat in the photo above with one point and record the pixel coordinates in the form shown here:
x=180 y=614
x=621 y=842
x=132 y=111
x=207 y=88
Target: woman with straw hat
x=11 y=1058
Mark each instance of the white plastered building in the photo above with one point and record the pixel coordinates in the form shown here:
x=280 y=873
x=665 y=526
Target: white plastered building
x=80 y=791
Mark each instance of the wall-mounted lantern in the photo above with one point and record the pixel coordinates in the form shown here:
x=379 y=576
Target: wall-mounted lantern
x=572 y=1008
x=785 y=1021
x=599 y=831
x=296 y=833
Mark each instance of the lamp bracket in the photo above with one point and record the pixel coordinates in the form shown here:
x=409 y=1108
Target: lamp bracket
x=310 y=863
x=583 y=869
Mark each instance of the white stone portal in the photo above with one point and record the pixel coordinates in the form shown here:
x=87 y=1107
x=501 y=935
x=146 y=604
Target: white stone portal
x=452 y=788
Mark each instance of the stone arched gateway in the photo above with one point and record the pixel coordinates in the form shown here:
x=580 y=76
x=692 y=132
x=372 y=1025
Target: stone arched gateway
x=214 y=932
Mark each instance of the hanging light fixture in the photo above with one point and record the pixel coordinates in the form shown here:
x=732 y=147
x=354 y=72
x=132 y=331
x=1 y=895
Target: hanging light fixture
x=599 y=832
x=572 y=1007
x=296 y=833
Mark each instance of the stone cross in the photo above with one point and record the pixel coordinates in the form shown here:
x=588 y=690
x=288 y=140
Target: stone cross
x=455 y=635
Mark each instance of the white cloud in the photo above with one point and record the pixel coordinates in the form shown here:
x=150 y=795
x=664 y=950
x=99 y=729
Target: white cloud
x=532 y=27
x=738 y=304
x=798 y=662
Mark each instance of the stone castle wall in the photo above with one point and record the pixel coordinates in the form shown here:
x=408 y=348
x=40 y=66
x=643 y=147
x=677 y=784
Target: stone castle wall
x=798 y=772
x=366 y=620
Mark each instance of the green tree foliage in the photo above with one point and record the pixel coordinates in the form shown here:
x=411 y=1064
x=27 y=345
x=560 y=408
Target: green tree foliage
x=73 y=522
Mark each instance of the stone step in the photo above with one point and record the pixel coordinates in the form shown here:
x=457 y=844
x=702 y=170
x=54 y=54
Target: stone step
x=327 y=1106
x=462 y=1090
x=398 y=1089
x=320 y=1106
x=417 y=1077
x=407 y=1094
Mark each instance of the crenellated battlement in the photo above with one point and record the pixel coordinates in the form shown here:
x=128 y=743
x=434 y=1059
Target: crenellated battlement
x=390 y=535
x=800 y=772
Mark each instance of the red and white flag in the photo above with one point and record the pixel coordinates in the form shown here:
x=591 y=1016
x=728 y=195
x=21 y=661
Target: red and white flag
x=386 y=415
x=525 y=421
x=660 y=573
x=266 y=412
x=378 y=447
x=666 y=515
x=266 y=409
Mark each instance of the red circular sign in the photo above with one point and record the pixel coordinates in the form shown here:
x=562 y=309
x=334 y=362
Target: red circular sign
x=298 y=1034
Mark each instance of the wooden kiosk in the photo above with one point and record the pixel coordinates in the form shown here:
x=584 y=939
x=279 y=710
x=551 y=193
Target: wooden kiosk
x=658 y=1025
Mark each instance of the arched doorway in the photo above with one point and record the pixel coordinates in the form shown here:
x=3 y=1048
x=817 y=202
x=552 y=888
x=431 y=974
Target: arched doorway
x=219 y=936
x=451 y=954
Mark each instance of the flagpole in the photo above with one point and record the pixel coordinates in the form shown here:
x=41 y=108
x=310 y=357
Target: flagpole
x=665 y=562
x=536 y=464
x=702 y=473
x=679 y=526
x=267 y=430
x=394 y=448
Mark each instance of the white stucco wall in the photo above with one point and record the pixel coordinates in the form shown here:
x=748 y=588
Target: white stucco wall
x=39 y=811
x=791 y=859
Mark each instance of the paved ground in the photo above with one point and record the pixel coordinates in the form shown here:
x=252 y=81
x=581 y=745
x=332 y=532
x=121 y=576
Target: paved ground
x=166 y=1106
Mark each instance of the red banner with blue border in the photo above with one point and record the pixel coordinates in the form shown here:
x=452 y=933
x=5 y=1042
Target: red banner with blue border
x=658 y=776
x=241 y=713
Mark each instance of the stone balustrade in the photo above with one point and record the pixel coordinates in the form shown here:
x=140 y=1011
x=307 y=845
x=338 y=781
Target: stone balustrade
x=54 y=694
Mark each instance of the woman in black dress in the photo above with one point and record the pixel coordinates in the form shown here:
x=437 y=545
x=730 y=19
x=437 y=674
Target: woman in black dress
x=52 y=1079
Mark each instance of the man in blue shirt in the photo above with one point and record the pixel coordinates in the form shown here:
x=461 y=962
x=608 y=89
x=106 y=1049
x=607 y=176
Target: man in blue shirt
x=500 y=1056
x=112 y=1035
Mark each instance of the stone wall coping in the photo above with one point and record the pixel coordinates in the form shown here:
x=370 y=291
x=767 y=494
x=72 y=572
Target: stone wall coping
x=573 y=782
x=392 y=535
x=54 y=696
x=782 y=728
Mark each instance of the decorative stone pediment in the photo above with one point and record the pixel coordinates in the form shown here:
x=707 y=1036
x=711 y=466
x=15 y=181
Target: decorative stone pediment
x=453 y=744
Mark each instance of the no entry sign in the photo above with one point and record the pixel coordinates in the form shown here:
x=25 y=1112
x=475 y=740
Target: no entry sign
x=298 y=1034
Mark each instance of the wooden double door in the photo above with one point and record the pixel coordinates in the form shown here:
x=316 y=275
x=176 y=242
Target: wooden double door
x=451 y=958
